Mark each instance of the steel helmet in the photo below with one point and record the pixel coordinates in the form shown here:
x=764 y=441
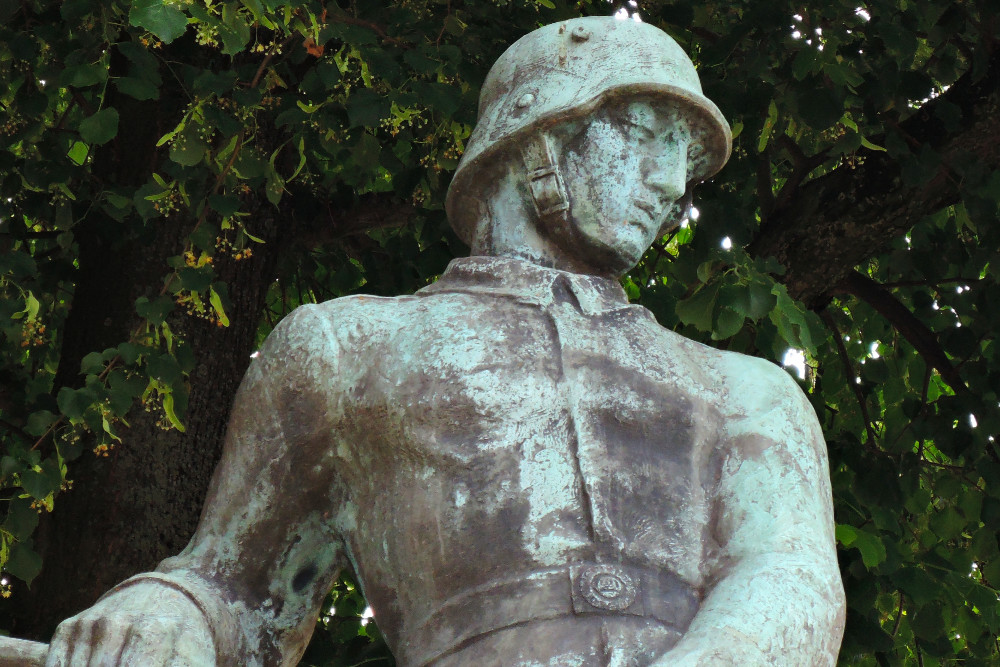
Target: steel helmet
x=564 y=71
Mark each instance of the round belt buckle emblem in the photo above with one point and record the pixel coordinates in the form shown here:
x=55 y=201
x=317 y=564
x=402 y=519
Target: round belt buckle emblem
x=607 y=587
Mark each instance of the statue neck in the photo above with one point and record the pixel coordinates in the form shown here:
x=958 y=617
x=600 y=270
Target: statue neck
x=515 y=233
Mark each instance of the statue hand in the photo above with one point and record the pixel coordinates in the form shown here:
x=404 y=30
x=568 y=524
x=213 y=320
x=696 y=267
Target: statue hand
x=145 y=624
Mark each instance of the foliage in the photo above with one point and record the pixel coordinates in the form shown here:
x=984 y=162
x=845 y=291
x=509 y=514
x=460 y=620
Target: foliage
x=174 y=131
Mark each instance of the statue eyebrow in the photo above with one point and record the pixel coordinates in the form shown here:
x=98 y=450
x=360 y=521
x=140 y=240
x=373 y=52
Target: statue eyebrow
x=641 y=119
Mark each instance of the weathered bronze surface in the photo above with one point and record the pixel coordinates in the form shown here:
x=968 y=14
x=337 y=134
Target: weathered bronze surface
x=521 y=467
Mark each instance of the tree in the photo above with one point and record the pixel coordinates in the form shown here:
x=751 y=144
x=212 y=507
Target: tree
x=176 y=176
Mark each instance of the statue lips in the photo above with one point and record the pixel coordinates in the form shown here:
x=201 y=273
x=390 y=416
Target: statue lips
x=652 y=209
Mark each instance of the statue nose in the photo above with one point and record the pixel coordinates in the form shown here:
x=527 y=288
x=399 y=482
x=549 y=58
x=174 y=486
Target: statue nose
x=667 y=176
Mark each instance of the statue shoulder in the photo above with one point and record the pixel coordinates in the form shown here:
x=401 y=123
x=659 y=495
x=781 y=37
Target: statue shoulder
x=740 y=385
x=766 y=404
x=325 y=339
x=749 y=388
x=349 y=320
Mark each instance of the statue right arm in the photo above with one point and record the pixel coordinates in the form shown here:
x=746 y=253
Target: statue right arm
x=252 y=579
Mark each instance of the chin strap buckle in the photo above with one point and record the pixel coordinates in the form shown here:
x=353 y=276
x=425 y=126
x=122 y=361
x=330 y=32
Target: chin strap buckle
x=548 y=194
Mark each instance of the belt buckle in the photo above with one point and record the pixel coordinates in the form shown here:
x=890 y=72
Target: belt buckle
x=603 y=587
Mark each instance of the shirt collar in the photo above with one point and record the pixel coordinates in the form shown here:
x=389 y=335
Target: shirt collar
x=527 y=282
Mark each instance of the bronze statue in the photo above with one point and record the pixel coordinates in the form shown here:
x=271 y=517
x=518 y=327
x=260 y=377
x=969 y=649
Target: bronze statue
x=521 y=467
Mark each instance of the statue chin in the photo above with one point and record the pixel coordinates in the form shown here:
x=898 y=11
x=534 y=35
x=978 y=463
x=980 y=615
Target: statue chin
x=607 y=254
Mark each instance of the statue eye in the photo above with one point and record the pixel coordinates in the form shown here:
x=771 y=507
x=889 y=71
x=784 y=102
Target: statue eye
x=638 y=132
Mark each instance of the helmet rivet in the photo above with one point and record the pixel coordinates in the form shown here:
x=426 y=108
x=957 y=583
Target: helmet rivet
x=580 y=34
x=525 y=100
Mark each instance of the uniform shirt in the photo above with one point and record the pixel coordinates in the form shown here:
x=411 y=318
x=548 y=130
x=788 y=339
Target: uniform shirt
x=511 y=444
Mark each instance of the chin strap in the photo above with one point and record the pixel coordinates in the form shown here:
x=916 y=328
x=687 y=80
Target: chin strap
x=548 y=194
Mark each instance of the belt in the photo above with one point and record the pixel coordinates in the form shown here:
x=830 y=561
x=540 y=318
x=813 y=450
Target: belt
x=608 y=589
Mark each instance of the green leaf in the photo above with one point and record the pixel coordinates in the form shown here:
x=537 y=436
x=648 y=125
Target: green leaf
x=168 y=409
x=875 y=370
x=21 y=265
x=762 y=300
x=947 y=524
x=164 y=368
x=100 y=128
x=765 y=133
x=156 y=310
x=698 y=309
x=10 y=466
x=416 y=59
x=219 y=83
x=275 y=187
x=23 y=562
x=439 y=96
x=871 y=547
x=235 y=31
x=143 y=206
x=367 y=151
x=130 y=352
x=82 y=76
x=187 y=148
x=22 y=518
x=846 y=534
x=727 y=324
x=158 y=17
x=367 y=108
x=74 y=402
x=796 y=325
x=870 y=146
x=92 y=363
x=224 y=205
x=140 y=89
x=806 y=62
x=916 y=583
x=928 y=622
x=455 y=26
x=819 y=106
x=40 y=483
x=39 y=422
x=144 y=64
x=216 y=302
x=121 y=396
x=196 y=279
x=78 y=152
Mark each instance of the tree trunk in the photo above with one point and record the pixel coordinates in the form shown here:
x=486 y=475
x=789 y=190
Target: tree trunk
x=141 y=504
x=128 y=511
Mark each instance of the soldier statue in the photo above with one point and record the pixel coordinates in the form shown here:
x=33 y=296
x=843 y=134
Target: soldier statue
x=520 y=467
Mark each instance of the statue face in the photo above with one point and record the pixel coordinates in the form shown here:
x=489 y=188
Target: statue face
x=623 y=172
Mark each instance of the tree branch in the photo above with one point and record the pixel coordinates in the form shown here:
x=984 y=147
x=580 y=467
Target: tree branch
x=845 y=359
x=840 y=220
x=371 y=25
x=906 y=323
x=802 y=165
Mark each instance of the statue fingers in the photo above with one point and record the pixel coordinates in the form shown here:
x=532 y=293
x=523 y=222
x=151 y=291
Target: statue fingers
x=105 y=644
x=66 y=644
x=172 y=643
x=86 y=642
x=148 y=647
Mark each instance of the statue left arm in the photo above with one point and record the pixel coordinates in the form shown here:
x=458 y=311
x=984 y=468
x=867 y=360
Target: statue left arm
x=777 y=596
